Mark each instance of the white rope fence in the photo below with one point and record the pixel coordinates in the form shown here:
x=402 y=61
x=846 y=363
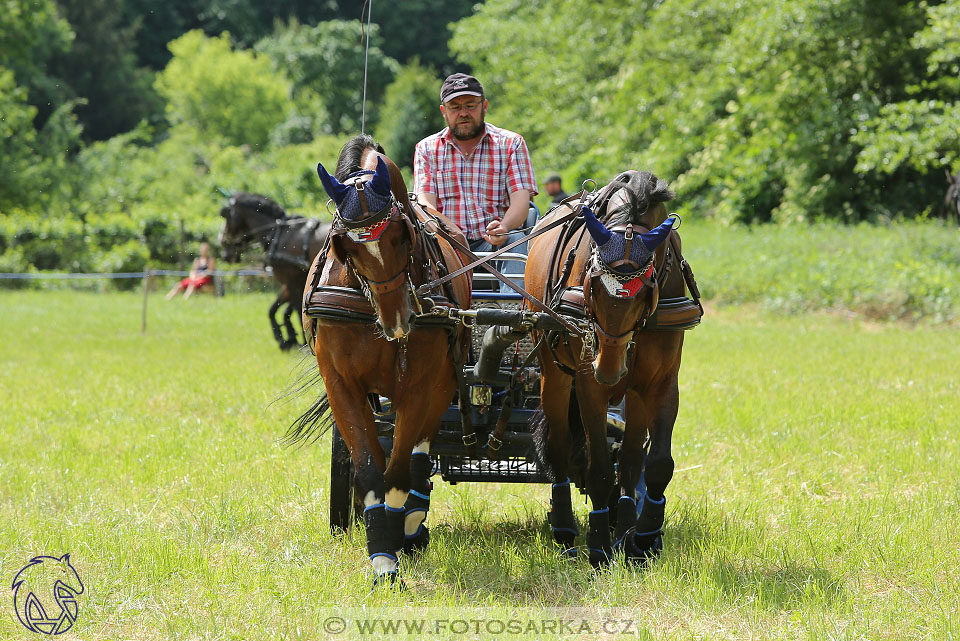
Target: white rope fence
x=149 y=272
x=145 y=276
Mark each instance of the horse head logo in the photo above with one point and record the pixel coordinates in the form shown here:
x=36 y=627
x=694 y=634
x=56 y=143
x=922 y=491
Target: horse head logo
x=45 y=594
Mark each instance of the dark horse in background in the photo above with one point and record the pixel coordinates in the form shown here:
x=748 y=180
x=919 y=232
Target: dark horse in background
x=290 y=242
x=380 y=250
x=613 y=269
x=951 y=200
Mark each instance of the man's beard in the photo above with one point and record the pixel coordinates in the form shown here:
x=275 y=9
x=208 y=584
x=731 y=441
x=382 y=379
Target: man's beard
x=467 y=130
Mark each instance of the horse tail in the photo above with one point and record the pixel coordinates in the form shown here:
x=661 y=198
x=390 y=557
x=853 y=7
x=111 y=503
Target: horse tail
x=317 y=419
x=312 y=424
x=539 y=429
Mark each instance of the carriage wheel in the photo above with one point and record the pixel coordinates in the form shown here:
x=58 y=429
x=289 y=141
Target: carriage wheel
x=341 y=485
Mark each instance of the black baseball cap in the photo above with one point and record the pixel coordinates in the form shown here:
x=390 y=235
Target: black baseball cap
x=460 y=84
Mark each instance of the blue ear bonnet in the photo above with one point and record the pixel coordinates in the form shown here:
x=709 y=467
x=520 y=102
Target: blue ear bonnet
x=376 y=191
x=611 y=244
x=612 y=251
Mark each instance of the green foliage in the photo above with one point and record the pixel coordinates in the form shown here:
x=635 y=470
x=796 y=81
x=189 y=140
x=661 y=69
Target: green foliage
x=923 y=132
x=17 y=143
x=410 y=112
x=420 y=29
x=31 y=33
x=233 y=96
x=33 y=162
x=101 y=68
x=327 y=60
x=746 y=107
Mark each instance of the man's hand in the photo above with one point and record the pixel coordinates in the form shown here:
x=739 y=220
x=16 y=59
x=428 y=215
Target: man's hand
x=496 y=233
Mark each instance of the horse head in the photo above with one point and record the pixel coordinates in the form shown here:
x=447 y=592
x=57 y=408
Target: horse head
x=619 y=285
x=374 y=236
x=247 y=217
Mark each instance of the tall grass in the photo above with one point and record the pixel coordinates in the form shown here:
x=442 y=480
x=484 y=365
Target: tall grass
x=906 y=270
x=816 y=493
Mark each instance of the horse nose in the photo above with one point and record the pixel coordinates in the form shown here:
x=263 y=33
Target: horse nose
x=606 y=376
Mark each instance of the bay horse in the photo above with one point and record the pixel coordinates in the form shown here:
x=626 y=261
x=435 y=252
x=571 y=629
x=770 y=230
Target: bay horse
x=612 y=269
x=291 y=243
x=380 y=247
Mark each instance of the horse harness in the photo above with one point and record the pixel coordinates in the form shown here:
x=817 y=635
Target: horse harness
x=423 y=247
x=275 y=255
x=576 y=301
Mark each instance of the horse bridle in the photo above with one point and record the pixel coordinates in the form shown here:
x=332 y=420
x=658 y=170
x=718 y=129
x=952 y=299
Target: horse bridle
x=369 y=229
x=598 y=268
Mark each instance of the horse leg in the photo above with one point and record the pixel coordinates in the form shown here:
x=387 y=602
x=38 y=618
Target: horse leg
x=416 y=535
x=271 y=314
x=663 y=403
x=293 y=338
x=555 y=401
x=418 y=419
x=630 y=475
x=354 y=419
x=593 y=399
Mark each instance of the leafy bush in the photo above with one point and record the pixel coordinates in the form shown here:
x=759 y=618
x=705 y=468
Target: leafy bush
x=131 y=256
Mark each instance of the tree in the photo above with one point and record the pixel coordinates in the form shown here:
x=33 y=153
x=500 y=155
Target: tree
x=923 y=132
x=231 y=95
x=31 y=33
x=746 y=107
x=101 y=67
x=31 y=173
x=328 y=61
x=409 y=112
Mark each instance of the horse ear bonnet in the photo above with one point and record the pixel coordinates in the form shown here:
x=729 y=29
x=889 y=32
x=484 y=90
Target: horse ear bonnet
x=376 y=190
x=640 y=253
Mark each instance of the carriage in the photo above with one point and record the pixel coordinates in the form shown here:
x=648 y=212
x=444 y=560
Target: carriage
x=431 y=367
x=505 y=396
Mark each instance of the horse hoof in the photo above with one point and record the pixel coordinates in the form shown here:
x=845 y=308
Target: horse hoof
x=600 y=557
x=391 y=580
x=644 y=549
x=569 y=554
x=418 y=542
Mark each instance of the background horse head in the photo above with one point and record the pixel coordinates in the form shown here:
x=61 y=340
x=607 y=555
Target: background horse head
x=247 y=218
x=374 y=233
x=290 y=242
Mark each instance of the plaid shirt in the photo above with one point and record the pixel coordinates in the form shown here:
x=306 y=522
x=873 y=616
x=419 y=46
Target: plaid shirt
x=473 y=191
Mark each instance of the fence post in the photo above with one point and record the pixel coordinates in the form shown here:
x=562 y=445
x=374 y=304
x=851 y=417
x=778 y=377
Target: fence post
x=143 y=312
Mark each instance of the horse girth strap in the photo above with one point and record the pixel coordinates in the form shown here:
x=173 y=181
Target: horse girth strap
x=466 y=251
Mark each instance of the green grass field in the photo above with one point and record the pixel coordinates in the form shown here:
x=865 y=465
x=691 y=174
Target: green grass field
x=817 y=491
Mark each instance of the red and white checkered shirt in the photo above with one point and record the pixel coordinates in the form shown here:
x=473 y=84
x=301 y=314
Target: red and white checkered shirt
x=473 y=191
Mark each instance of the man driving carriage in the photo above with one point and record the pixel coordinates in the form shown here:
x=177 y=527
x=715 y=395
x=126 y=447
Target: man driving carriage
x=477 y=174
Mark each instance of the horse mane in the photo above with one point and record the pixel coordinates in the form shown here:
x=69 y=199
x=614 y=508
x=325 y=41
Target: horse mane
x=258 y=203
x=352 y=154
x=642 y=191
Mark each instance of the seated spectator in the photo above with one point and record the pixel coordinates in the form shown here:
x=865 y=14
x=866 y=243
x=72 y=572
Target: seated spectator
x=201 y=274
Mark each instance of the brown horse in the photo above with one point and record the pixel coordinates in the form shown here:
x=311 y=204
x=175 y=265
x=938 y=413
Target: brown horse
x=616 y=262
x=380 y=246
x=290 y=242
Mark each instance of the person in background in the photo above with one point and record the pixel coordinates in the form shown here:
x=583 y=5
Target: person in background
x=201 y=274
x=476 y=174
x=554 y=189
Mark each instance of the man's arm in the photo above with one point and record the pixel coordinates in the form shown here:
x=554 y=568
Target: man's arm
x=423 y=179
x=513 y=218
x=426 y=198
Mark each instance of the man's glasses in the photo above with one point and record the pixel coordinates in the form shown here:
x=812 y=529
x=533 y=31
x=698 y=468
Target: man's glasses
x=466 y=106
